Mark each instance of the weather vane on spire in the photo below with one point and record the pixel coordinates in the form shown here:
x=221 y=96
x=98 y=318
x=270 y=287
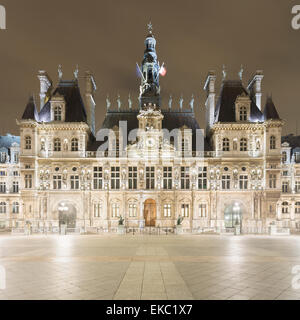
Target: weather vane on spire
x=150 y=27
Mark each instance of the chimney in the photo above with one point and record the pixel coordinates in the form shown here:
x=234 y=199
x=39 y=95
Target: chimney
x=45 y=85
x=90 y=88
x=254 y=87
x=210 y=101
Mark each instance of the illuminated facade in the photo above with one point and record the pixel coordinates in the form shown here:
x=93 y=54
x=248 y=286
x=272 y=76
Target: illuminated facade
x=60 y=171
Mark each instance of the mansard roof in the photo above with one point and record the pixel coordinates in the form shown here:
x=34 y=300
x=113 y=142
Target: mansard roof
x=75 y=109
x=172 y=120
x=270 y=111
x=30 y=112
x=8 y=140
x=225 y=108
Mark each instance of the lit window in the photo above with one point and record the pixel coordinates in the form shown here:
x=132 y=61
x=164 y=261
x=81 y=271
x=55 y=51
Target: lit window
x=167 y=210
x=132 y=210
x=185 y=210
x=115 y=210
x=202 y=210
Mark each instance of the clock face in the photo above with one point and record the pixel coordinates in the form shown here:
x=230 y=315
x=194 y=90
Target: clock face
x=150 y=142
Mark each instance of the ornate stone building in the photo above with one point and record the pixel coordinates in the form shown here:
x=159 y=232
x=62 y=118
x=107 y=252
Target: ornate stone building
x=149 y=163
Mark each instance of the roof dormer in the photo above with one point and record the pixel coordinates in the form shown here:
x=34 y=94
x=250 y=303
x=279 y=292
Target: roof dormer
x=58 y=108
x=242 y=108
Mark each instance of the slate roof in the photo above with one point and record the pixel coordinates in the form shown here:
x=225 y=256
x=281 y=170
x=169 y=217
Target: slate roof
x=8 y=140
x=270 y=111
x=225 y=108
x=172 y=120
x=30 y=112
x=75 y=109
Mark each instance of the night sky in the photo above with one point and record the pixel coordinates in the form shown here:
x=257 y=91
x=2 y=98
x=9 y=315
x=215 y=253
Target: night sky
x=107 y=37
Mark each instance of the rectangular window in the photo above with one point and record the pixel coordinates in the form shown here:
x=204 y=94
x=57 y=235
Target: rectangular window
x=185 y=210
x=98 y=178
x=185 y=178
x=15 y=173
x=115 y=178
x=285 y=187
x=243 y=182
x=15 y=187
x=202 y=210
x=226 y=182
x=167 y=178
x=115 y=210
x=2 y=187
x=74 y=182
x=150 y=178
x=132 y=210
x=272 y=181
x=28 y=181
x=57 y=182
x=2 y=173
x=97 y=210
x=132 y=178
x=202 y=178
x=167 y=210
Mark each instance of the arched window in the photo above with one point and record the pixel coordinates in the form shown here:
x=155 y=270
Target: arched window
x=15 y=207
x=243 y=114
x=57 y=144
x=297 y=207
x=57 y=113
x=285 y=207
x=74 y=144
x=272 y=143
x=226 y=144
x=284 y=156
x=115 y=210
x=243 y=144
x=28 y=143
x=2 y=207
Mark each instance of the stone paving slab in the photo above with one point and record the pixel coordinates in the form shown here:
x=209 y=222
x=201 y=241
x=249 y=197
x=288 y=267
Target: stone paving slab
x=151 y=267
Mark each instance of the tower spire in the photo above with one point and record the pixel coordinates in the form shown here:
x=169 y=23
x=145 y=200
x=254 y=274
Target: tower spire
x=149 y=88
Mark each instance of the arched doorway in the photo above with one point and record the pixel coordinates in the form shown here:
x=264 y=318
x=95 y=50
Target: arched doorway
x=150 y=213
x=67 y=214
x=233 y=215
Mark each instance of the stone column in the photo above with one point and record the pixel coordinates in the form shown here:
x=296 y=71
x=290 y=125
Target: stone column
x=292 y=211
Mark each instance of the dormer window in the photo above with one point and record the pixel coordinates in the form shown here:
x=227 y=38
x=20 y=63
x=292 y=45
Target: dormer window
x=57 y=113
x=243 y=113
x=272 y=143
x=284 y=156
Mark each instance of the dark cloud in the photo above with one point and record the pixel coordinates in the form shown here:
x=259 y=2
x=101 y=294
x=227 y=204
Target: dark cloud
x=107 y=38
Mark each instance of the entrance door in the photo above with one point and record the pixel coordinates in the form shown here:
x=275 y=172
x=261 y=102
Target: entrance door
x=233 y=216
x=150 y=213
x=67 y=215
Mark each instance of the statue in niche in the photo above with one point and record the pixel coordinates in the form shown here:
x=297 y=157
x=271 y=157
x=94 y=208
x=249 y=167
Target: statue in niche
x=170 y=102
x=181 y=102
x=192 y=103
x=108 y=104
x=129 y=102
x=119 y=102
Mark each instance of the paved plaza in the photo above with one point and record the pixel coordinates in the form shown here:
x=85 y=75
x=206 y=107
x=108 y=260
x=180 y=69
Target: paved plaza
x=149 y=267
